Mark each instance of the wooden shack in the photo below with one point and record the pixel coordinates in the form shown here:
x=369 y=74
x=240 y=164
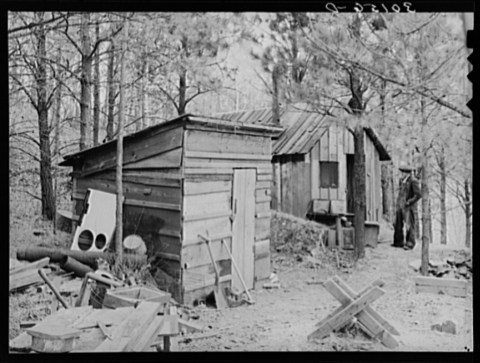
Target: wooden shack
x=187 y=177
x=313 y=164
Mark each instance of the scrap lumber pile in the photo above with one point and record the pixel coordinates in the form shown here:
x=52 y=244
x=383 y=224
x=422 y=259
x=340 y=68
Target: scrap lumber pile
x=81 y=329
x=356 y=306
x=129 y=318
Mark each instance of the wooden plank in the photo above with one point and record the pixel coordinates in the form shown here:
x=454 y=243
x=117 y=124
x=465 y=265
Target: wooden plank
x=262 y=268
x=206 y=187
x=169 y=159
x=208 y=171
x=224 y=155
x=261 y=236
x=198 y=255
x=212 y=227
x=262 y=226
x=306 y=189
x=155 y=205
x=262 y=207
x=286 y=189
x=265 y=176
x=347 y=313
x=207 y=204
x=437 y=285
x=261 y=215
x=243 y=226
x=295 y=185
x=218 y=142
x=205 y=216
x=267 y=184
x=134 y=150
x=213 y=237
x=138 y=203
x=435 y=281
x=128 y=332
x=373 y=327
x=147 y=337
x=106 y=316
x=276 y=187
x=324 y=193
x=166 y=177
x=31 y=266
x=315 y=171
x=225 y=163
x=262 y=248
x=444 y=290
x=353 y=294
x=194 y=280
x=265 y=198
x=260 y=193
x=24 y=279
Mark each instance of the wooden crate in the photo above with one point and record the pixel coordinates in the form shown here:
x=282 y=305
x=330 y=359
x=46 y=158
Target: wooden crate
x=132 y=296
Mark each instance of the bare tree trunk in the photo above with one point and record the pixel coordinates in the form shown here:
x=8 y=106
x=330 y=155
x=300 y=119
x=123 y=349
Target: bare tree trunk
x=426 y=217
x=119 y=171
x=96 y=89
x=46 y=183
x=111 y=91
x=468 y=214
x=85 y=81
x=443 y=197
x=144 y=95
x=182 y=92
x=276 y=74
x=359 y=190
x=56 y=122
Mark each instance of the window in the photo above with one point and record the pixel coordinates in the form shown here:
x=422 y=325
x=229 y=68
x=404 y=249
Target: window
x=328 y=174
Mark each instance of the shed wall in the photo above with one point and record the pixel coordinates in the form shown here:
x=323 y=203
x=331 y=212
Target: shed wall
x=209 y=159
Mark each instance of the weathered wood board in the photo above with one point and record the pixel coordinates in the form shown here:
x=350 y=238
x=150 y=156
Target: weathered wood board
x=454 y=287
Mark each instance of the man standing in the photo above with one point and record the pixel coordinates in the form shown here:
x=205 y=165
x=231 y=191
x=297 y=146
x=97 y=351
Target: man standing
x=408 y=194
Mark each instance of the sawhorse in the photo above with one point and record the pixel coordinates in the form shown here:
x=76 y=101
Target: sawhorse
x=356 y=305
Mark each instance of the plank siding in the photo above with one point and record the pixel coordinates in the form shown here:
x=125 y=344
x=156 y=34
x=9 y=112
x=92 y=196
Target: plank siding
x=212 y=226
x=169 y=159
x=134 y=150
x=206 y=187
x=200 y=276
x=198 y=255
x=226 y=143
x=204 y=204
x=262 y=268
x=136 y=191
x=276 y=187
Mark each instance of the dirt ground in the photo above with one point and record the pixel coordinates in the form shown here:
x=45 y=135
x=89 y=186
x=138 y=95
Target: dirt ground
x=282 y=318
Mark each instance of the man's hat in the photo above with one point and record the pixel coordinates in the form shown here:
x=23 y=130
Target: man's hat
x=406 y=168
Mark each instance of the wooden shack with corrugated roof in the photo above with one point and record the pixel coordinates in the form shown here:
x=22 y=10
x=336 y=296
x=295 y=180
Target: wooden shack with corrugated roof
x=187 y=177
x=313 y=163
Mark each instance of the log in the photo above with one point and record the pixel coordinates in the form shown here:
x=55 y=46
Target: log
x=57 y=255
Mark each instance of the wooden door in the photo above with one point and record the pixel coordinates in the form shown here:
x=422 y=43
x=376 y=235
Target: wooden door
x=243 y=226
